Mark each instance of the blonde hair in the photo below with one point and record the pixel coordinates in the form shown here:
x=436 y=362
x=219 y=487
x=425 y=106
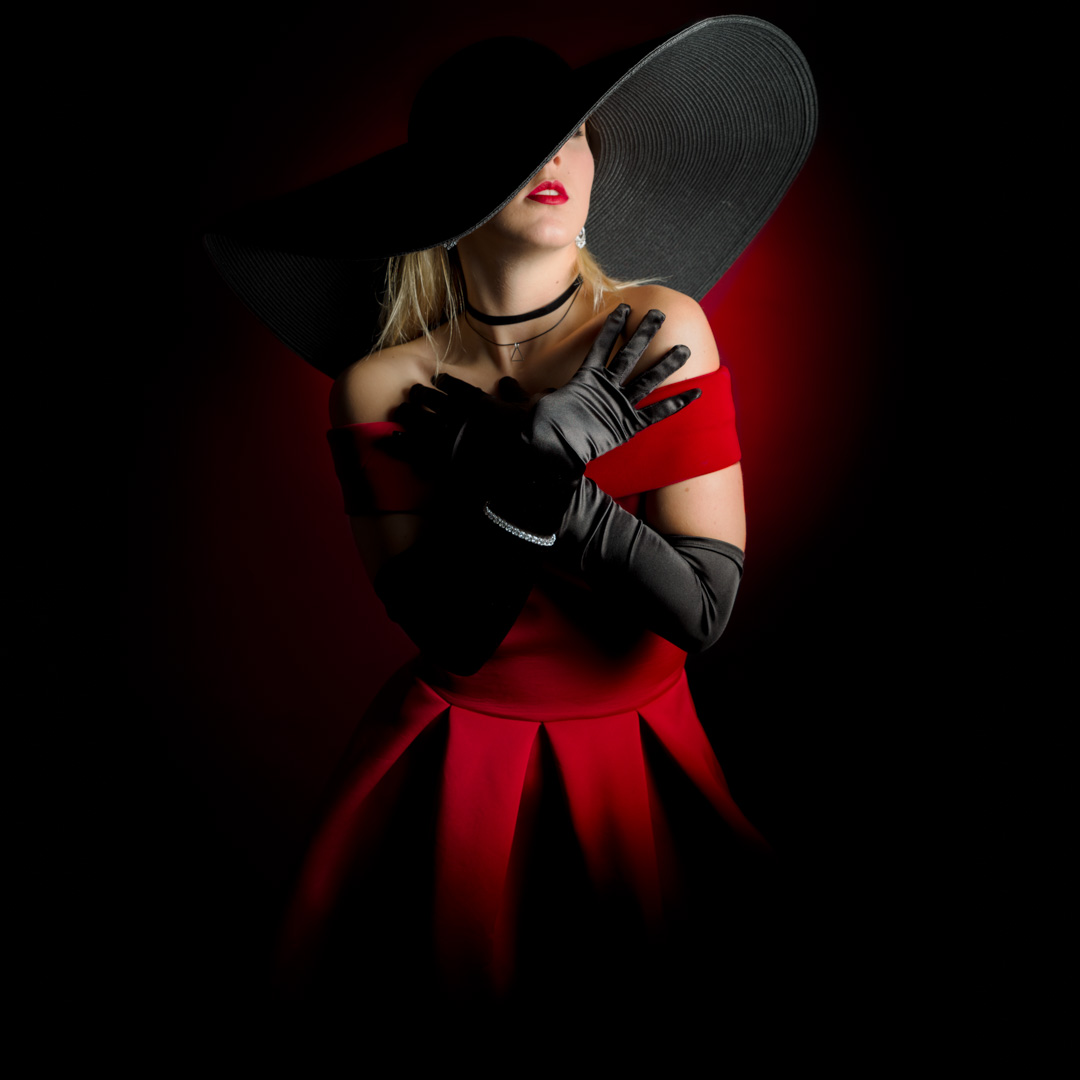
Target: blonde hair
x=424 y=290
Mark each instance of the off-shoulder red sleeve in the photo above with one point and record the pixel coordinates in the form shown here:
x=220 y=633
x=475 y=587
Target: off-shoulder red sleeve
x=698 y=439
x=372 y=481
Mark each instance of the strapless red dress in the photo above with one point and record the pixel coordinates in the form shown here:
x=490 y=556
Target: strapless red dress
x=577 y=710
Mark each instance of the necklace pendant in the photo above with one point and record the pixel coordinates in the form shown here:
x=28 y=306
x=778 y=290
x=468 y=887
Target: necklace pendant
x=516 y=354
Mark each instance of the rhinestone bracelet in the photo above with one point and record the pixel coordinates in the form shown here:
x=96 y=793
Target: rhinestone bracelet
x=521 y=534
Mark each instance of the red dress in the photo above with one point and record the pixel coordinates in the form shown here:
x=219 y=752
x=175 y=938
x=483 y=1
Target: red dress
x=574 y=701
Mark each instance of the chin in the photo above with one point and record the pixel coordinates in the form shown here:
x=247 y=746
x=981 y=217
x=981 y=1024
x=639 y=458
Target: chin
x=553 y=238
x=549 y=235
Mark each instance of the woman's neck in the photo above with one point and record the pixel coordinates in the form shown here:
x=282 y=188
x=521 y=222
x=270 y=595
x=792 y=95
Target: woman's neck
x=511 y=285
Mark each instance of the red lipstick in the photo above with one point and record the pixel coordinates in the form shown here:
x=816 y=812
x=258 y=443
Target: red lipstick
x=550 y=191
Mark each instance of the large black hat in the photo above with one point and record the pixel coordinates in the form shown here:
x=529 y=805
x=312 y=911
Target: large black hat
x=696 y=137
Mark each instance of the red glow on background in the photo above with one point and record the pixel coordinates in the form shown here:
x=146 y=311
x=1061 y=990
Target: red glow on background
x=795 y=320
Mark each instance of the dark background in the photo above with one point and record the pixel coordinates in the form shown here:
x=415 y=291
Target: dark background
x=855 y=699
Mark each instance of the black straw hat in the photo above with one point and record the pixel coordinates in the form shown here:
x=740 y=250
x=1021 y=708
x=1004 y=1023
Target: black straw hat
x=696 y=138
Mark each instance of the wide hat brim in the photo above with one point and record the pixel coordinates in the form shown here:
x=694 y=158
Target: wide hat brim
x=696 y=138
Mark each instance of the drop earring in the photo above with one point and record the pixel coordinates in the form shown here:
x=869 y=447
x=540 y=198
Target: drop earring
x=580 y=239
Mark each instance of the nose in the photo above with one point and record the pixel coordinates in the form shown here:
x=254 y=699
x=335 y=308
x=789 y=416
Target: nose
x=554 y=162
x=557 y=159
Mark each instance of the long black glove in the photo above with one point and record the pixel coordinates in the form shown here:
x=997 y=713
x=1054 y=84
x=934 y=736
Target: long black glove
x=460 y=587
x=434 y=590
x=681 y=587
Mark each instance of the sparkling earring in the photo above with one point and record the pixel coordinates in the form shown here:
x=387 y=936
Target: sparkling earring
x=580 y=240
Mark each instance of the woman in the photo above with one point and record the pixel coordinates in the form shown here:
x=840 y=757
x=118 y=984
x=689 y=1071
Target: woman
x=554 y=529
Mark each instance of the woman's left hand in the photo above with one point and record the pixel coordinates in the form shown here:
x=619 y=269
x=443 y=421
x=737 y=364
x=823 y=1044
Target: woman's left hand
x=594 y=412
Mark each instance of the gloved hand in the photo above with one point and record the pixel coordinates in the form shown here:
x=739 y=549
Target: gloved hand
x=458 y=436
x=681 y=587
x=594 y=412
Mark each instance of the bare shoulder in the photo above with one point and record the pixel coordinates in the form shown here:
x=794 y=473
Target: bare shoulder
x=369 y=390
x=686 y=324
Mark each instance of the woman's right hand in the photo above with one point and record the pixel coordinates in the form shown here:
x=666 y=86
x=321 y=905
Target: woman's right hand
x=594 y=412
x=456 y=433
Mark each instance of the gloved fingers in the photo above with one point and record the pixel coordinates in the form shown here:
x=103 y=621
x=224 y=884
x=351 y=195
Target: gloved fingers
x=399 y=445
x=415 y=418
x=648 y=381
x=458 y=388
x=605 y=340
x=511 y=391
x=627 y=357
x=668 y=407
x=428 y=396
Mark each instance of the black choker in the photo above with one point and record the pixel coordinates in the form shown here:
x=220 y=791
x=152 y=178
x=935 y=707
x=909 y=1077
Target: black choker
x=509 y=320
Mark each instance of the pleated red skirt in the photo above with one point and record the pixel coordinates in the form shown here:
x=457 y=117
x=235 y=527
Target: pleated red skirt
x=564 y=796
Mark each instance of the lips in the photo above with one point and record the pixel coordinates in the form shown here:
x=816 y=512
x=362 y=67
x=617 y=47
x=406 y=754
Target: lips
x=550 y=192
